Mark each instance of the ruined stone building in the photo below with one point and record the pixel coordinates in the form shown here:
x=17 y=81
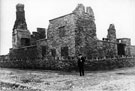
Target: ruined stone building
x=67 y=36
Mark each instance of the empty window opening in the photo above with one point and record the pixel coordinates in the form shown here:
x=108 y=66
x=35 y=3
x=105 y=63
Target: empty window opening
x=25 y=41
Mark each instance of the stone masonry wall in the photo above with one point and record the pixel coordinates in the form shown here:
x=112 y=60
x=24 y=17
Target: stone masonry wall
x=111 y=33
x=24 y=53
x=85 y=32
x=18 y=35
x=20 y=32
x=127 y=42
x=111 y=38
x=85 y=36
x=40 y=43
x=40 y=34
x=61 y=33
x=132 y=49
x=106 y=49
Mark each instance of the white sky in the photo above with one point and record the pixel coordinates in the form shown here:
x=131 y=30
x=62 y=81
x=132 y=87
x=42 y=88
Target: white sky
x=38 y=13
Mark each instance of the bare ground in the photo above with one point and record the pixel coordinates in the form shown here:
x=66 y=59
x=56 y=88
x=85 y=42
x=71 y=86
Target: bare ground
x=43 y=80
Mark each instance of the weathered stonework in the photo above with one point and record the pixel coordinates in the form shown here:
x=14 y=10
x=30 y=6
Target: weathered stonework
x=111 y=38
x=23 y=53
x=20 y=22
x=132 y=49
x=42 y=43
x=85 y=32
x=40 y=34
x=68 y=40
x=20 y=34
x=111 y=33
x=127 y=42
x=79 y=28
x=67 y=36
x=90 y=12
x=79 y=10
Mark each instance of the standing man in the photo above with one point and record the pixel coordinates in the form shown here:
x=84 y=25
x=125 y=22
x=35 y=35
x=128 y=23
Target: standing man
x=81 y=61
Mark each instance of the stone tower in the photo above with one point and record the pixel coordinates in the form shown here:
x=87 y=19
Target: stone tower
x=79 y=10
x=20 y=22
x=85 y=31
x=111 y=33
x=111 y=37
x=20 y=34
x=90 y=12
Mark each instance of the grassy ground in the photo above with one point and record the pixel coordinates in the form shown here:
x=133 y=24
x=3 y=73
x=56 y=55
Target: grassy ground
x=44 y=80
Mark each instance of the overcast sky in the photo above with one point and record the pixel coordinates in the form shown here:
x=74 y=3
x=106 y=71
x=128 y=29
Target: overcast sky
x=38 y=13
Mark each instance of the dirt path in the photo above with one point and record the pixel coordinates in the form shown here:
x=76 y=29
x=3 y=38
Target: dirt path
x=27 y=80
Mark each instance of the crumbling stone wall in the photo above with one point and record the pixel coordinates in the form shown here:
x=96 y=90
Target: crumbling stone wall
x=106 y=49
x=67 y=36
x=111 y=33
x=81 y=35
x=109 y=45
x=85 y=38
x=112 y=43
x=85 y=32
x=40 y=34
x=40 y=44
x=24 y=53
x=79 y=29
x=20 y=35
x=20 y=22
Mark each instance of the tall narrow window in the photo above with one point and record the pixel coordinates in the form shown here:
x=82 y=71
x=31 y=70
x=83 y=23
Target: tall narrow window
x=64 y=51
x=121 y=49
x=53 y=51
x=44 y=51
x=61 y=31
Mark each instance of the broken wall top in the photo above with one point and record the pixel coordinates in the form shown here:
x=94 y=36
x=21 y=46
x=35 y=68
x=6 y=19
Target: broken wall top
x=20 y=22
x=80 y=11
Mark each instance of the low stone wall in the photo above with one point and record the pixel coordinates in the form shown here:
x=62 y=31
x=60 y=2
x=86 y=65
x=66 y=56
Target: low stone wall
x=47 y=64
x=110 y=63
x=68 y=65
x=28 y=52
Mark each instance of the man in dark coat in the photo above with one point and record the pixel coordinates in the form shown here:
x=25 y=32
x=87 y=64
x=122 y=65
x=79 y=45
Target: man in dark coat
x=81 y=61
